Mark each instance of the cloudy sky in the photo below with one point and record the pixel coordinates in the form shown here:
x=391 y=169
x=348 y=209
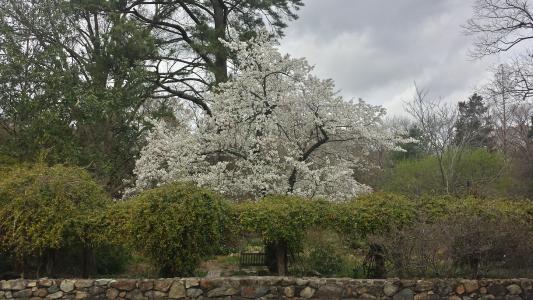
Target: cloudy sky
x=377 y=49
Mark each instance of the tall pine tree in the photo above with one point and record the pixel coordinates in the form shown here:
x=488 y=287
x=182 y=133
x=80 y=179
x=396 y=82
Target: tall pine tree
x=473 y=126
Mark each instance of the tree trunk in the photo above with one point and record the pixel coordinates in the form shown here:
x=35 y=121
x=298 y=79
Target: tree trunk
x=19 y=267
x=442 y=173
x=221 y=58
x=292 y=180
x=89 y=262
x=270 y=258
x=276 y=258
x=50 y=261
x=377 y=266
x=281 y=258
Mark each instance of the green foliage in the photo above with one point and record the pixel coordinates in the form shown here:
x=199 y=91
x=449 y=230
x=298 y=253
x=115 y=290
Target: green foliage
x=473 y=126
x=276 y=10
x=325 y=261
x=72 y=98
x=58 y=211
x=379 y=213
x=413 y=177
x=412 y=150
x=482 y=173
x=47 y=208
x=518 y=210
x=477 y=171
x=6 y=162
x=112 y=259
x=440 y=235
x=323 y=254
x=430 y=208
x=370 y=214
x=177 y=226
x=281 y=219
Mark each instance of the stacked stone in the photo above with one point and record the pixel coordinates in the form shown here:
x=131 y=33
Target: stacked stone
x=268 y=288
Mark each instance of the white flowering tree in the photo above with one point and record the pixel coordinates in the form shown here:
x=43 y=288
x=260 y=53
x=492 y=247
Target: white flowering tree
x=275 y=129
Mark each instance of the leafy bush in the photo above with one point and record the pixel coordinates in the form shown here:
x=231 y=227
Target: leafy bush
x=176 y=226
x=372 y=213
x=323 y=254
x=325 y=261
x=416 y=251
x=436 y=207
x=281 y=218
x=282 y=222
x=112 y=259
x=461 y=237
x=59 y=211
x=476 y=172
x=46 y=209
x=413 y=177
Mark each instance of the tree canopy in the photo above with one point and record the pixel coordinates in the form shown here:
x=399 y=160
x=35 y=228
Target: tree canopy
x=191 y=34
x=276 y=129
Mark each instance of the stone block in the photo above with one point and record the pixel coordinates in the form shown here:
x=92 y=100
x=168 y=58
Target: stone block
x=194 y=293
x=177 y=290
x=56 y=295
x=307 y=292
x=162 y=285
x=405 y=294
x=67 y=286
x=22 y=293
x=83 y=283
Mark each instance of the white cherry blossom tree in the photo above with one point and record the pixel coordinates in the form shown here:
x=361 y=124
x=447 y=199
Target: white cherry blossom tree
x=276 y=128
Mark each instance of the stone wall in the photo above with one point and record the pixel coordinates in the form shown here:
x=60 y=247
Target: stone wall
x=267 y=288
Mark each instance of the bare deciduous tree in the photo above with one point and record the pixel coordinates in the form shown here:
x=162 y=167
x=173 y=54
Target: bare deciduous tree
x=502 y=99
x=437 y=122
x=436 y=119
x=500 y=25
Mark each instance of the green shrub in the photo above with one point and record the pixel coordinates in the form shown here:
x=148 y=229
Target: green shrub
x=282 y=222
x=372 y=213
x=475 y=172
x=281 y=218
x=325 y=261
x=413 y=177
x=451 y=236
x=323 y=254
x=435 y=207
x=6 y=162
x=176 y=226
x=112 y=259
x=46 y=209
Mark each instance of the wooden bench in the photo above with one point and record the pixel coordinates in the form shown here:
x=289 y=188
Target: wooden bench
x=252 y=259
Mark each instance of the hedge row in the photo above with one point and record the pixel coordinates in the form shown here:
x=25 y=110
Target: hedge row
x=44 y=210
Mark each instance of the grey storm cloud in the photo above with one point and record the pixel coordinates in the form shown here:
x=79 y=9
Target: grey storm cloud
x=377 y=49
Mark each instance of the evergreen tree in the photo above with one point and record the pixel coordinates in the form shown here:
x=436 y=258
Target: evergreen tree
x=75 y=86
x=80 y=77
x=191 y=35
x=415 y=149
x=473 y=126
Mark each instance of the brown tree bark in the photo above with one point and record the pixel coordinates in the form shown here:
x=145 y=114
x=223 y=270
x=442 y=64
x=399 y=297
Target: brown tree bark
x=281 y=258
x=221 y=59
x=89 y=262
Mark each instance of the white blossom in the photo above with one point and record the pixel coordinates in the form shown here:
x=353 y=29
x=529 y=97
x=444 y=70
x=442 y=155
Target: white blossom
x=276 y=128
